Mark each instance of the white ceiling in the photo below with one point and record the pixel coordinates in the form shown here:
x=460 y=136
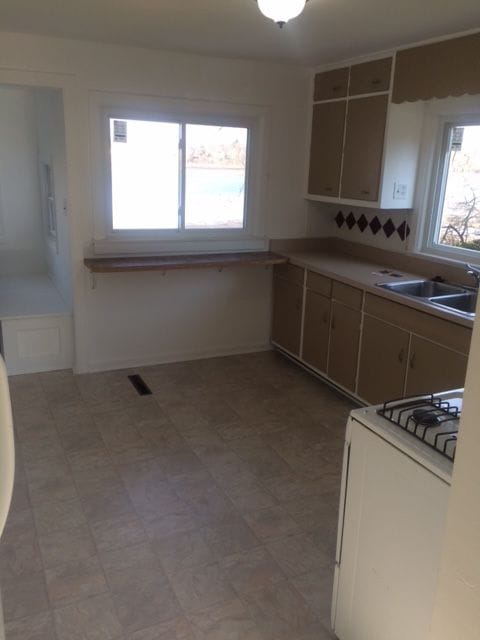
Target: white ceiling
x=328 y=30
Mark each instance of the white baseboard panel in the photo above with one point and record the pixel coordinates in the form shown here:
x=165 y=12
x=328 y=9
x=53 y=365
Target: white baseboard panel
x=166 y=358
x=37 y=343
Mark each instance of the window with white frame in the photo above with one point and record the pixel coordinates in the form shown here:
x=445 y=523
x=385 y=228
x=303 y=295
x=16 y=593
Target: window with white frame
x=178 y=176
x=454 y=225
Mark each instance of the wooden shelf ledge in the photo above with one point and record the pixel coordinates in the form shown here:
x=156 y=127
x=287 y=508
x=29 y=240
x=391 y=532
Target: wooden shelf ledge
x=190 y=261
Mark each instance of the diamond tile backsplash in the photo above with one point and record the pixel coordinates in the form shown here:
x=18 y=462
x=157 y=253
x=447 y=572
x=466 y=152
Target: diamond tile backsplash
x=373 y=225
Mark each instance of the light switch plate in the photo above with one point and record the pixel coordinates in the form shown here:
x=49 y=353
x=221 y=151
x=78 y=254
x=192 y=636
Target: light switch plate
x=399 y=191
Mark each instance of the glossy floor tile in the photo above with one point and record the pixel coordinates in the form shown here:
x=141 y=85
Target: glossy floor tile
x=205 y=511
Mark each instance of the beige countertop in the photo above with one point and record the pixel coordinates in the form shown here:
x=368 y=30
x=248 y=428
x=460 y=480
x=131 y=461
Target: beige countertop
x=366 y=275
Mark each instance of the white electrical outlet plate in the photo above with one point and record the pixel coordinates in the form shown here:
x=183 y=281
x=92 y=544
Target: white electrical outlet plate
x=399 y=191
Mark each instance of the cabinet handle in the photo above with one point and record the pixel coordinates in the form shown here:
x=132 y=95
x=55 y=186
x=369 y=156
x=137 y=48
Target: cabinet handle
x=401 y=355
x=333 y=323
x=328 y=188
x=376 y=81
x=298 y=305
x=365 y=192
x=325 y=317
x=412 y=361
x=336 y=87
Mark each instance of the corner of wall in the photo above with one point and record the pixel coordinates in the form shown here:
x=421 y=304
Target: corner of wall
x=320 y=220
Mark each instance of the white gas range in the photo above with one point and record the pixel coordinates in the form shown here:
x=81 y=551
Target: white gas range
x=397 y=470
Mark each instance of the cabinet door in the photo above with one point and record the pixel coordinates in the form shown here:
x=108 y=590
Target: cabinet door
x=370 y=77
x=287 y=314
x=316 y=330
x=344 y=343
x=362 y=159
x=326 y=148
x=383 y=361
x=331 y=84
x=433 y=368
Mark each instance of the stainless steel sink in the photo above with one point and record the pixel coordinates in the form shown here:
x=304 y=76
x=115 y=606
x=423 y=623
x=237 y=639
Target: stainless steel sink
x=423 y=288
x=464 y=302
x=442 y=294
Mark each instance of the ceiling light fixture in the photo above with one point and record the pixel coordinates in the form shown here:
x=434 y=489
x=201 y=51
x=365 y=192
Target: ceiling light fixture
x=281 y=11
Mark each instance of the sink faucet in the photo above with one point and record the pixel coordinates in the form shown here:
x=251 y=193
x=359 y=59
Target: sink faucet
x=474 y=272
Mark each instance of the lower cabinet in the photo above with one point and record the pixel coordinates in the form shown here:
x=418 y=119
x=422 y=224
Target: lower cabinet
x=344 y=343
x=433 y=368
x=395 y=362
x=316 y=330
x=403 y=352
x=287 y=314
x=383 y=361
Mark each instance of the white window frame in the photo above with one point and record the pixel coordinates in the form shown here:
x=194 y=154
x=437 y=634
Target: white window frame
x=438 y=114
x=109 y=240
x=438 y=191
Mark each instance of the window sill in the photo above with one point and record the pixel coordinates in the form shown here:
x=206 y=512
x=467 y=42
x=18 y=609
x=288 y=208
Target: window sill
x=131 y=245
x=192 y=261
x=447 y=258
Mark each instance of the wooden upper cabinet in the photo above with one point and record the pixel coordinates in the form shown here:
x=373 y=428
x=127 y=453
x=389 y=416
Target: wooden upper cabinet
x=434 y=368
x=331 y=84
x=326 y=148
x=362 y=160
x=437 y=70
x=287 y=314
x=383 y=361
x=370 y=77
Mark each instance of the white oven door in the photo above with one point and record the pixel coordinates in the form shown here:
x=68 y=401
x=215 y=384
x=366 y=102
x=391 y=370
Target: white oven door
x=388 y=560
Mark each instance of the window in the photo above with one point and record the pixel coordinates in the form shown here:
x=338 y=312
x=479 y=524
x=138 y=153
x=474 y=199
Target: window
x=455 y=223
x=177 y=175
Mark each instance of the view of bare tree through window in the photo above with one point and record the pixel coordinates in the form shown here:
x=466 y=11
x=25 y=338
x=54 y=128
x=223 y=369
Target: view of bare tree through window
x=459 y=209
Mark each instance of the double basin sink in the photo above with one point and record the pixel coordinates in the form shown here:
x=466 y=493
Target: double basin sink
x=449 y=296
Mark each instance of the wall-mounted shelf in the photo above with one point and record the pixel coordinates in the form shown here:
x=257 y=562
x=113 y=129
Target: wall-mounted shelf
x=189 y=261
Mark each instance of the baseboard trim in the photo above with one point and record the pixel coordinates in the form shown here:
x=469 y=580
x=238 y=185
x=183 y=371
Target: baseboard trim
x=166 y=358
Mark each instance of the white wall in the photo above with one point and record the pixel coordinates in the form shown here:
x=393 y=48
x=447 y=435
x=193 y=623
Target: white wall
x=129 y=319
x=457 y=608
x=50 y=129
x=21 y=246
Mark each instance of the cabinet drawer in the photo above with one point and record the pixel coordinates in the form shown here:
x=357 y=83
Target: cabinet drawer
x=449 y=334
x=289 y=272
x=349 y=296
x=331 y=84
x=319 y=283
x=370 y=77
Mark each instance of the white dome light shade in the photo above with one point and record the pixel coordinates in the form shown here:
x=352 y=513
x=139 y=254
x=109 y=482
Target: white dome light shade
x=281 y=11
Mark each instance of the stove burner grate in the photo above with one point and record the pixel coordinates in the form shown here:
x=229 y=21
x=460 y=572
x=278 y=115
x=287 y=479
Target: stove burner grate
x=424 y=417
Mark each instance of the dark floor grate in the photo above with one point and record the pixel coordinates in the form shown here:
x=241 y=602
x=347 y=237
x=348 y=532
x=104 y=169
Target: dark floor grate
x=140 y=385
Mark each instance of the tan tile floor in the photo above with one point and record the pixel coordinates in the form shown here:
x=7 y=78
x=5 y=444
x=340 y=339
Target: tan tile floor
x=206 y=511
